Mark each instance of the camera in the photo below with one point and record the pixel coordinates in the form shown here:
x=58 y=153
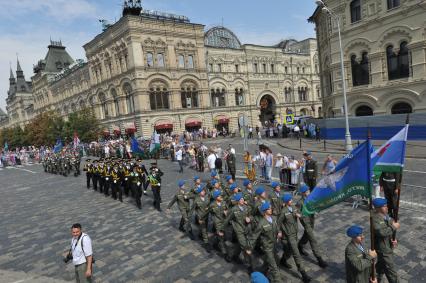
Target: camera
x=67 y=258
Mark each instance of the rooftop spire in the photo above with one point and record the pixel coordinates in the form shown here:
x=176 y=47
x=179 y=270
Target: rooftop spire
x=18 y=66
x=12 y=77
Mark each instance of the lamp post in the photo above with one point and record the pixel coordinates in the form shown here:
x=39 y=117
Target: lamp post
x=324 y=8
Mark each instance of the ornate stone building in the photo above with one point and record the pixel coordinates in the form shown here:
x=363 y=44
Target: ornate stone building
x=154 y=70
x=384 y=49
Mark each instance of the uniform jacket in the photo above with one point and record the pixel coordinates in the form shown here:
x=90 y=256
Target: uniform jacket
x=182 y=200
x=288 y=221
x=267 y=232
x=358 y=264
x=218 y=215
x=383 y=232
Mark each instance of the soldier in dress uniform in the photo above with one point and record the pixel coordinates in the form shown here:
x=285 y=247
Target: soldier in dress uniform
x=289 y=226
x=358 y=259
x=88 y=168
x=154 y=179
x=248 y=192
x=384 y=227
x=311 y=171
x=116 y=183
x=388 y=184
x=201 y=207
x=275 y=198
x=107 y=178
x=218 y=211
x=182 y=200
x=136 y=184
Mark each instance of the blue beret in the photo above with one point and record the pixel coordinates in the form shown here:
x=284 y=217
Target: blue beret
x=229 y=177
x=181 y=183
x=233 y=186
x=246 y=182
x=379 y=202
x=216 y=193
x=237 y=197
x=259 y=191
x=309 y=153
x=354 y=231
x=286 y=197
x=265 y=206
x=213 y=182
x=258 y=277
x=274 y=184
x=303 y=188
x=196 y=178
x=200 y=188
x=213 y=174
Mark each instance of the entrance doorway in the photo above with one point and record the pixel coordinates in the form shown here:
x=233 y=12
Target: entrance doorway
x=267 y=110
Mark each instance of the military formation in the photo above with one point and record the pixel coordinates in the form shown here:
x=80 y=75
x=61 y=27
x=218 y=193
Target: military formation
x=62 y=163
x=117 y=177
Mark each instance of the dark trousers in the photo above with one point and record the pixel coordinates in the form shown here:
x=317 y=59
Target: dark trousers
x=101 y=184
x=116 y=188
x=126 y=186
x=157 y=196
x=137 y=194
x=95 y=179
x=180 y=166
x=88 y=177
x=200 y=165
x=106 y=186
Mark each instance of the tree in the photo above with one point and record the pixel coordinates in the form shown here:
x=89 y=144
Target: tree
x=84 y=123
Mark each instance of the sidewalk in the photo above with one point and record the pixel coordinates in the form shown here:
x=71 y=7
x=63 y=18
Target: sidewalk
x=415 y=149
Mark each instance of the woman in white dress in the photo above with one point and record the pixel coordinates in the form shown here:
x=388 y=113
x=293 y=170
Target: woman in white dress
x=294 y=167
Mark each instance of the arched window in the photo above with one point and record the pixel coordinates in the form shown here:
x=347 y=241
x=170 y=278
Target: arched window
x=159 y=98
x=393 y=4
x=116 y=102
x=239 y=96
x=401 y=108
x=287 y=94
x=364 y=110
x=104 y=105
x=303 y=93
x=181 y=61
x=398 y=64
x=360 y=70
x=149 y=59
x=190 y=62
x=355 y=11
x=160 y=60
x=189 y=96
x=218 y=97
x=130 y=99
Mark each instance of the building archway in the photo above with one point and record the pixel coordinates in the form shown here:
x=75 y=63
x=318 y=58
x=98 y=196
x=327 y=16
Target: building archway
x=401 y=108
x=364 y=110
x=267 y=110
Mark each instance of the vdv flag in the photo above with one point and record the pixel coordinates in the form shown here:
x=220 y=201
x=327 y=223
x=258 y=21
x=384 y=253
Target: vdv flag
x=76 y=141
x=350 y=177
x=135 y=146
x=58 y=146
x=155 y=142
x=390 y=156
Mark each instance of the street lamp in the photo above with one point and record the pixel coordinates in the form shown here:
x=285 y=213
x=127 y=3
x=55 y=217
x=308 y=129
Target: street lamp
x=325 y=9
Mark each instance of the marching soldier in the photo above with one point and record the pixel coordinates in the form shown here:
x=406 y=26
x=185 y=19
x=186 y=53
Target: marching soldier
x=88 y=168
x=201 y=209
x=218 y=210
x=107 y=178
x=155 y=180
x=275 y=198
x=308 y=234
x=127 y=170
x=240 y=218
x=182 y=200
x=95 y=175
x=311 y=171
x=288 y=224
x=136 y=183
x=388 y=184
x=384 y=227
x=248 y=192
x=116 y=183
x=358 y=259
x=268 y=231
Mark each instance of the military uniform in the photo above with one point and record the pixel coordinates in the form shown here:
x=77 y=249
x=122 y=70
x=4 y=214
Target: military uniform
x=231 y=165
x=136 y=183
x=358 y=264
x=182 y=200
x=276 y=203
x=88 y=168
x=217 y=211
x=388 y=181
x=310 y=174
x=116 y=184
x=201 y=209
x=383 y=232
x=155 y=180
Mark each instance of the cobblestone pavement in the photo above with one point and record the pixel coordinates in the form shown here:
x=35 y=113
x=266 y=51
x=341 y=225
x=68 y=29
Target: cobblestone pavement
x=130 y=245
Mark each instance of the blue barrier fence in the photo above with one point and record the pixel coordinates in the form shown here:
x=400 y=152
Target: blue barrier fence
x=415 y=132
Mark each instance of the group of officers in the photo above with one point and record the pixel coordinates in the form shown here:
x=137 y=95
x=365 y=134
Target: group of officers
x=62 y=163
x=115 y=177
x=261 y=220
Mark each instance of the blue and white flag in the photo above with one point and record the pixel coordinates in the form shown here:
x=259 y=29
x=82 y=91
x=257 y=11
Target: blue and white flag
x=390 y=156
x=135 y=146
x=351 y=177
x=58 y=146
x=155 y=142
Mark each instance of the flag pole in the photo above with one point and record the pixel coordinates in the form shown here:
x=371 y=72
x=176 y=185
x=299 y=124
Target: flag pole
x=373 y=267
x=396 y=211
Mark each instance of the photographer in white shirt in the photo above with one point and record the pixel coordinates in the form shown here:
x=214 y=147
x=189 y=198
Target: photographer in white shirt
x=81 y=254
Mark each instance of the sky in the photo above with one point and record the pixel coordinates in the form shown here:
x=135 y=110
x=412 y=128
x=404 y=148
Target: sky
x=26 y=26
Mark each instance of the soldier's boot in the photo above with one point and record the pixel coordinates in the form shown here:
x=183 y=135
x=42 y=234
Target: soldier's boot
x=228 y=257
x=321 y=262
x=305 y=277
x=207 y=247
x=284 y=263
x=302 y=250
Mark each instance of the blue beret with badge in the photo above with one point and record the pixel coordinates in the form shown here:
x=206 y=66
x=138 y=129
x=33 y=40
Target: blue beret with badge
x=259 y=191
x=237 y=197
x=216 y=193
x=286 y=197
x=303 y=189
x=213 y=182
x=213 y=174
x=265 y=206
x=200 y=188
x=246 y=182
x=227 y=178
x=196 y=178
x=258 y=277
x=181 y=183
x=275 y=184
x=233 y=186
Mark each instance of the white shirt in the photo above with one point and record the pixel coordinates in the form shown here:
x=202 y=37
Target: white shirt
x=210 y=160
x=78 y=256
x=178 y=154
x=296 y=129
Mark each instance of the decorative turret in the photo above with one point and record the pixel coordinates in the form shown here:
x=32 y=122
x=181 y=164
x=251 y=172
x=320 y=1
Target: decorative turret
x=12 y=84
x=19 y=72
x=132 y=7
